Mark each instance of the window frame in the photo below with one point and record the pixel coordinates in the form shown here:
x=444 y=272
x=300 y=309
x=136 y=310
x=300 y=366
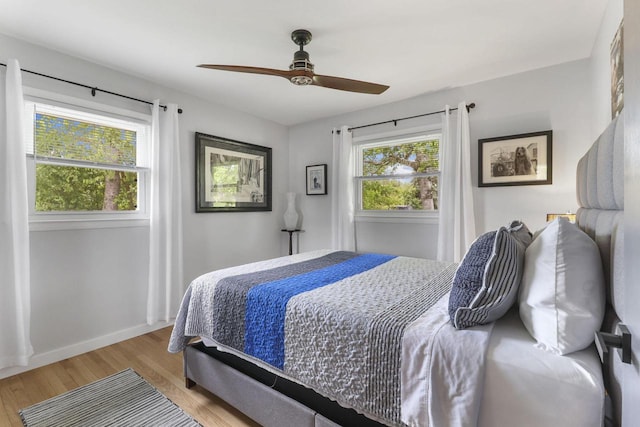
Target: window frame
x=380 y=139
x=65 y=220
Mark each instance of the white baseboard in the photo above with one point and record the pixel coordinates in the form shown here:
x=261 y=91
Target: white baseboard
x=42 y=359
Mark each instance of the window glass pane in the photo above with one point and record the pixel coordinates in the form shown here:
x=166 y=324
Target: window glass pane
x=69 y=188
x=420 y=193
x=401 y=159
x=65 y=138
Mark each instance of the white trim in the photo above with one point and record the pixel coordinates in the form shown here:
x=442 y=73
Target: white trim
x=57 y=161
x=76 y=349
x=103 y=114
x=398 y=176
x=412 y=217
x=408 y=135
x=357 y=140
x=68 y=222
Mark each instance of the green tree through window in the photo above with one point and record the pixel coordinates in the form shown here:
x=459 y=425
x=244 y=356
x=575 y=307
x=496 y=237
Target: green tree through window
x=401 y=176
x=83 y=166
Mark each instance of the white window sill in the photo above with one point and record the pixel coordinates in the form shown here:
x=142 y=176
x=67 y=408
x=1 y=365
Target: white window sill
x=54 y=222
x=400 y=217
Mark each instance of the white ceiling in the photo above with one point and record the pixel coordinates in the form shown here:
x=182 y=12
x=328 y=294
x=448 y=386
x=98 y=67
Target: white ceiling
x=414 y=46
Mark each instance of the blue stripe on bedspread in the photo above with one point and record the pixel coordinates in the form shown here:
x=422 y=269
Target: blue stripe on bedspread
x=267 y=304
x=230 y=298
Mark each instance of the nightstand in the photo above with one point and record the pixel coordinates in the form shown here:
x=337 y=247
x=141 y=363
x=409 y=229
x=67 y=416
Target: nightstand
x=291 y=238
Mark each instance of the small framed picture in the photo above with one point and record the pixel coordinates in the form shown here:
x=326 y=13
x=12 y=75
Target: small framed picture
x=523 y=159
x=316 y=180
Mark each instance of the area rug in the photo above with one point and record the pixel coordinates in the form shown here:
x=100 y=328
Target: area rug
x=122 y=399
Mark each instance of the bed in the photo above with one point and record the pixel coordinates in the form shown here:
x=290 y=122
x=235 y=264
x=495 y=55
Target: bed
x=330 y=338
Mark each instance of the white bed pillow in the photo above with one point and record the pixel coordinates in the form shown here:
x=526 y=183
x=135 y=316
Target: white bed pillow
x=562 y=294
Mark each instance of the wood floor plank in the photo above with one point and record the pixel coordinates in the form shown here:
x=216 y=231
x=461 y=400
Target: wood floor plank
x=146 y=354
x=35 y=385
x=11 y=397
x=63 y=380
x=195 y=402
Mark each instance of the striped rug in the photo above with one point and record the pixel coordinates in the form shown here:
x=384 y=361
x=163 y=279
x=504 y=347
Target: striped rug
x=122 y=399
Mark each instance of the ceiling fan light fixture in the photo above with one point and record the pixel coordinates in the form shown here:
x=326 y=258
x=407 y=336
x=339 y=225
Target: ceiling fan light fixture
x=301 y=80
x=301 y=63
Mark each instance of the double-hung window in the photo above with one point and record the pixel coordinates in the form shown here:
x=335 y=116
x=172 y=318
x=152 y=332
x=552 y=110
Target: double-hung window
x=85 y=164
x=398 y=176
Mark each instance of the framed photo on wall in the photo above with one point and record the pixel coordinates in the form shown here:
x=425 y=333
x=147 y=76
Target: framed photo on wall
x=231 y=176
x=523 y=159
x=617 y=72
x=316 y=180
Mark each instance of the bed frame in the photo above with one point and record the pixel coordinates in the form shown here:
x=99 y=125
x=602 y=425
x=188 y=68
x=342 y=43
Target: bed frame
x=262 y=395
x=274 y=401
x=600 y=193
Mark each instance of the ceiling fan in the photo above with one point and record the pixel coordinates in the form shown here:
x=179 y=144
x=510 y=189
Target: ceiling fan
x=301 y=73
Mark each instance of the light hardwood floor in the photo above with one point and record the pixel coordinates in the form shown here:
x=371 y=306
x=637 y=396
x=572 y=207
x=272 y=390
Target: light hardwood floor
x=146 y=354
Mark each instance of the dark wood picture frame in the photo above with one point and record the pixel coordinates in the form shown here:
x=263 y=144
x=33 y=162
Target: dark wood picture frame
x=231 y=176
x=316 y=180
x=524 y=159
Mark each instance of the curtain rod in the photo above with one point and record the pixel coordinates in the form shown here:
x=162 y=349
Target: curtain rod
x=395 y=121
x=93 y=89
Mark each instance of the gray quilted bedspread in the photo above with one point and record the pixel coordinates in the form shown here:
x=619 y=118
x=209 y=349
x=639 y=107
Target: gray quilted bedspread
x=343 y=339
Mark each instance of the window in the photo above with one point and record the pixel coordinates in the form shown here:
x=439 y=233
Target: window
x=85 y=164
x=398 y=176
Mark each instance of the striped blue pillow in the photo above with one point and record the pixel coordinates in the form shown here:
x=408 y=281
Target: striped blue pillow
x=486 y=283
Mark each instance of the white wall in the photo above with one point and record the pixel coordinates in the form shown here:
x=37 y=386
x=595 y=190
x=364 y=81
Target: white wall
x=557 y=98
x=88 y=287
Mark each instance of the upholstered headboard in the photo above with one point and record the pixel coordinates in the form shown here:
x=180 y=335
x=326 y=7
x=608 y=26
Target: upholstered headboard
x=600 y=192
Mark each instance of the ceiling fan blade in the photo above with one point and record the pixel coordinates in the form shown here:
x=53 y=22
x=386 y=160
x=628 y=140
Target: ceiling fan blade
x=348 y=84
x=252 y=70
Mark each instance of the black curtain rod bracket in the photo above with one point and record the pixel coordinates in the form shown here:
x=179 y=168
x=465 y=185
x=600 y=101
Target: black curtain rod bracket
x=395 y=121
x=94 y=89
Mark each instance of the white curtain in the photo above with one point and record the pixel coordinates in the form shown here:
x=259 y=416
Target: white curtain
x=456 y=229
x=165 y=243
x=15 y=305
x=342 y=209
